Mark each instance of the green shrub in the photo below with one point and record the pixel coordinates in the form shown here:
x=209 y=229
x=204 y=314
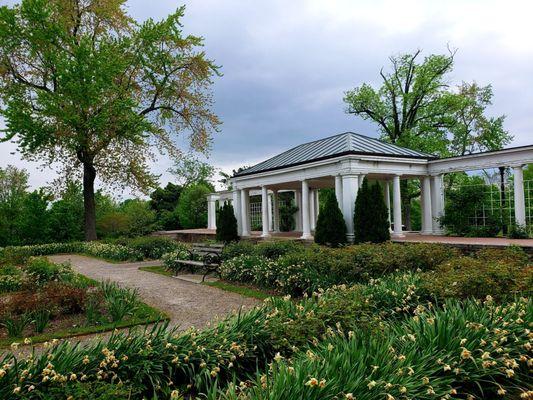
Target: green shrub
x=192 y=206
x=518 y=232
x=152 y=247
x=371 y=216
x=227 y=224
x=40 y=270
x=330 y=226
x=235 y=249
x=170 y=260
x=15 y=324
x=276 y=249
x=11 y=279
x=119 y=302
x=465 y=277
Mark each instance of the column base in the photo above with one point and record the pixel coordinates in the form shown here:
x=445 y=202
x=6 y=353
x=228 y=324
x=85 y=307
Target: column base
x=306 y=237
x=265 y=235
x=350 y=238
x=426 y=232
x=438 y=232
x=398 y=235
x=246 y=234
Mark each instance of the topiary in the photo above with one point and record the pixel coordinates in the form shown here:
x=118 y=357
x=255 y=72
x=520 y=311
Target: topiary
x=227 y=224
x=370 y=215
x=330 y=227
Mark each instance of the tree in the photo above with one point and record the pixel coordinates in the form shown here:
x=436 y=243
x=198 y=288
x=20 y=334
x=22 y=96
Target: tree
x=84 y=85
x=370 y=216
x=330 y=227
x=227 y=224
x=415 y=107
x=66 y=215
x=33 y=218
x=13 y=187
x=191 y=171
x=192 y=207
x=164 y=201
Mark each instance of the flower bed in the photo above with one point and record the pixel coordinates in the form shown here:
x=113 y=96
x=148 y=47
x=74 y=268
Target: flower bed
x=367 y=341
x=50 y=300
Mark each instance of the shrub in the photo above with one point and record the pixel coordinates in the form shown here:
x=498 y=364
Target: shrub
x=227 y=224
x=276 y=249
x=370 y=216
x=469 y=277
x=41 y=318
x=40 y=270
x=152 y=247
x=232 y=250
x=11 y=279
x=64 y=297
x=170 y=260
x=330 y=226
x=518 y=232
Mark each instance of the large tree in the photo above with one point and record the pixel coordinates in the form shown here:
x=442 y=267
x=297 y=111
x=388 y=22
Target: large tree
x=416 y=107
x=85 y=86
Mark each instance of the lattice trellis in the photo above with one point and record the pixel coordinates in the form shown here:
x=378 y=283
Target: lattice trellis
x=497 y=202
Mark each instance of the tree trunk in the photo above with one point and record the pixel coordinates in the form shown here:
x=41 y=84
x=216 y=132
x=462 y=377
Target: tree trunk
x=89 y=175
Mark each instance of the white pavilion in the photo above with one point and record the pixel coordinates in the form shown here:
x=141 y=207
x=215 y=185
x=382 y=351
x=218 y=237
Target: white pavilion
x=342 y=162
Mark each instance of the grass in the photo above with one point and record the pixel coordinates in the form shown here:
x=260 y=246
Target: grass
x=143 y=315
x=157 y=269
x=243 y=290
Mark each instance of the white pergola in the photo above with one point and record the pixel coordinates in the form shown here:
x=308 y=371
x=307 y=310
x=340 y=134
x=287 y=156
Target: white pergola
x=342 y=162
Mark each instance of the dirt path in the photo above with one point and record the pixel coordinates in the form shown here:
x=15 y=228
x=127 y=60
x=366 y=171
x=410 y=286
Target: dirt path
x=188 y=304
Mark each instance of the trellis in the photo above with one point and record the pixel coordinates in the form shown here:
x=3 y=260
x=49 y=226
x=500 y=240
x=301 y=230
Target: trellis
x=498 y=201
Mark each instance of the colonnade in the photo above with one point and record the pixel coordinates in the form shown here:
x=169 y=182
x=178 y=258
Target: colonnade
x=346 y=189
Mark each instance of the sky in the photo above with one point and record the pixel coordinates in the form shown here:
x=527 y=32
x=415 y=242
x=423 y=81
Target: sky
x=287 y=64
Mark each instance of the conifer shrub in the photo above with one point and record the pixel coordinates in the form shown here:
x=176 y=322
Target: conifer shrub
x=227 y=224
x=330 y=227
x=370 y=216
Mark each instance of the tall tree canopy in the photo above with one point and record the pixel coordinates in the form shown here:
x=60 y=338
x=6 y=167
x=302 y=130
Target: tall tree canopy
x=84 y=85
x=416 y=107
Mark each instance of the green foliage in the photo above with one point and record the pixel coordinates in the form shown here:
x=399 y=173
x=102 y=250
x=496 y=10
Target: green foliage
x=192 y=207
x=227 y=224
x=496 y=273
x=120 y=302
x=192 y=171
x=96 y=93
x=41 y=271
x=415 y=107
x=287 y=210
x=436 y=354
x=518 y=232
x=296 y=269
x=330 y=227
x=370 y=216
x=152 y=247
x=16 y=324
x=164 y=201
x=461 y=204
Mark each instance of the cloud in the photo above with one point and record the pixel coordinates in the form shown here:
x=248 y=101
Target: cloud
x=286 y=64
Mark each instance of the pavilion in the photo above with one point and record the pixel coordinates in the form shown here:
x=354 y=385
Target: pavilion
x=342 y=162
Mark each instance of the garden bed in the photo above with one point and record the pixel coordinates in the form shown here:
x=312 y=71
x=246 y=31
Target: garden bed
x=43 y=300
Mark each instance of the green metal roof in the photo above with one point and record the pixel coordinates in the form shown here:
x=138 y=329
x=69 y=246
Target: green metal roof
x=343 y=144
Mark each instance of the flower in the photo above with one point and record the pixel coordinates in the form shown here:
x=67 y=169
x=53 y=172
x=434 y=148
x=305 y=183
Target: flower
x=322 y=383
x=371 y=384
x=312 y=382
x=16 y=390
x=465 y=354
x=349 y=396
x=501 y=391
x=174 y=394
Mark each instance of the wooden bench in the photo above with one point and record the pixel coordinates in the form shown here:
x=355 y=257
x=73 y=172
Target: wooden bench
x=204 y=256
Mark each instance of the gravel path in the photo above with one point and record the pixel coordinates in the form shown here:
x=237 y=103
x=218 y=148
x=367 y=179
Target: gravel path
x=188 y=304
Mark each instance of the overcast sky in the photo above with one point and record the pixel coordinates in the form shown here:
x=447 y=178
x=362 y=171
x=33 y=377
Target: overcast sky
x=286 y=64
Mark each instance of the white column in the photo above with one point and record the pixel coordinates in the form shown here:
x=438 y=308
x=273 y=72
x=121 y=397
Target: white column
x=312 y=209
x=275 y=211
x=306 y=227
x=397 y=206
x=237 y=210
x=387 y=201
x=264 y=211
x=437 y=203
x=361 y=179
x=270 y=217
x=317 y=206
x=519 y=199
x=211 y=213
x=298 y=216
x=427 y=219
x=350 y=186
x=245 y=212
x=338 y=190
